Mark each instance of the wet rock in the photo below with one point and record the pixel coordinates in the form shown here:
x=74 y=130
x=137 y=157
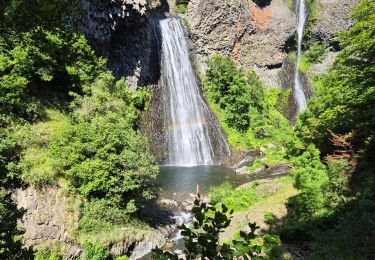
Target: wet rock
x=169 y=202
x=246 y=161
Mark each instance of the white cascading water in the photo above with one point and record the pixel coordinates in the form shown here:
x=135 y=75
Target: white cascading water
x=188 y=139
x=298 y=90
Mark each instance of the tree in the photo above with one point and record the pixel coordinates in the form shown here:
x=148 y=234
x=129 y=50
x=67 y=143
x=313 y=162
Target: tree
x=101 y=153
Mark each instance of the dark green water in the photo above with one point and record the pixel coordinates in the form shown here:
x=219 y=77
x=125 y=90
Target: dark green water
x=177 y=181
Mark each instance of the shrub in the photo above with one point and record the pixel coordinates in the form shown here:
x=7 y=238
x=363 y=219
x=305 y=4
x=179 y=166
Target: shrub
x=202 y=241
x=44 y=253
x=101 y=215
x=39 y=168
x=100 y=153
x=234 y=92
x=94 y=252
x=311 y=179
x=315 y=53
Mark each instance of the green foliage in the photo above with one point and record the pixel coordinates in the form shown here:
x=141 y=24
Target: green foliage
x=337 y=200
x=315 y=53
x=235 y=93
x=181 y=6
x=247 y=112
x=270 y=218
x=14 y=13
x=100 y=154
x=44 y=253
x=124 y=257
x=272 y=246
x=310 y=178
x=10 y=244
x=101 y=215
x=235 y=199
x=203 y=239
x=337 y=191
x=8 y=158
x=39 y=168
x=343 y=97
x=94 y=252
x=180 y=9
x=43 y=61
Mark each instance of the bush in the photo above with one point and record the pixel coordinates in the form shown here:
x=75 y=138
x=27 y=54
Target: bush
x=101 y=154
x=44 y=253
x=234 y=92
x=181 y=6
x=95 y=252
x=202 y=241
x=247 y=112
x=101 y=215
x=315 y=53
x=41 y=62
x=311 y=178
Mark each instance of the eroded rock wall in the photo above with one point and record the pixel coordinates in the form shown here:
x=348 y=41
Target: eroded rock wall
x=332 y=16
x=49 y=219
x=259 y=34
x=123 y=32
x=254 y=33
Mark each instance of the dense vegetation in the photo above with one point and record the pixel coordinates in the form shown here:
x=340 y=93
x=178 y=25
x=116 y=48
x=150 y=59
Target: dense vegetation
x=65 y=121
x=331 y=148
x=340 y=122
x=248 y=113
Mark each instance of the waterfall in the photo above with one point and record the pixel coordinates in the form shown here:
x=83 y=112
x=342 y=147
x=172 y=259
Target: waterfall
x=186 y=113
x=298 y=90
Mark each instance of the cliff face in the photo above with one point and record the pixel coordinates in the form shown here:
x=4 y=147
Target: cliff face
x=123 y=32
x=258 y=34
x=331 y=17
x=51 y=218
x=48 y=220
x=254 y=33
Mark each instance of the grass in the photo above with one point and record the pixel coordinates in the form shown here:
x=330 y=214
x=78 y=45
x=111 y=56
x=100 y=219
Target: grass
x=128 y=233
x=38 y=167
x=236 y=199
x=272 y=195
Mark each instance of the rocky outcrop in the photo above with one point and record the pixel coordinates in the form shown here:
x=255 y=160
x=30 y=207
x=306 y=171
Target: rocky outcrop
x=254 y=33
x=51 y=217
x=98 y=19
x=332 y=16
x=259 y=34
x=48 y=220
x=123 y=31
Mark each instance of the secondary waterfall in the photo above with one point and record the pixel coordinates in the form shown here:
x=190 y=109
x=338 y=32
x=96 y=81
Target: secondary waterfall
x=186 y=113
x=298 y=91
